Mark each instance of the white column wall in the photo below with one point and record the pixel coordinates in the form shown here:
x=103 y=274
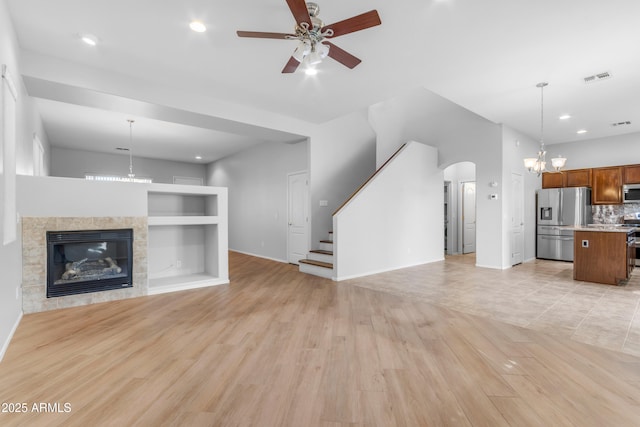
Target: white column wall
x=396 y=220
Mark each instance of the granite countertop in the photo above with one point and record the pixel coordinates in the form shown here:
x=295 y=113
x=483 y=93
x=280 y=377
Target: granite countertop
x=609 y=228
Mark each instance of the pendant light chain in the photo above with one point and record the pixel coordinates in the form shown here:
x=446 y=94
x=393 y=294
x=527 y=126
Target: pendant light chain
x=131 y=174
x=542 y=115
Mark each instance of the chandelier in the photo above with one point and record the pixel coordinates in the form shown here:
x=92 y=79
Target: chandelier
x=538 y=164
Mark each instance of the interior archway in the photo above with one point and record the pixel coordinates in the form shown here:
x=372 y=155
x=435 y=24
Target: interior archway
x=458 y=177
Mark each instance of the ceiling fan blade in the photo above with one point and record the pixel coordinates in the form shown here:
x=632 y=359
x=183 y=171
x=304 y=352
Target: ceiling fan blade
x=291 y=66
x=263 y=35
x=341 y=55
x=300 y=11
x=356 y=23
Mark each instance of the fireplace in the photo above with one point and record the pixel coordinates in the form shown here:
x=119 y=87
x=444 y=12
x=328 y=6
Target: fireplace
x=87 y=261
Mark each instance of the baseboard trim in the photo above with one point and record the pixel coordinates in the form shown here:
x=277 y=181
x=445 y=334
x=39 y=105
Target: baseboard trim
x=185 y=287
x=5 y=346
x=259 y=256
x=492 y=267
x=370 y=273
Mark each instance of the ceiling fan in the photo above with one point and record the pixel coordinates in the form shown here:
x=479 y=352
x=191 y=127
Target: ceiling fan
x=312 y=35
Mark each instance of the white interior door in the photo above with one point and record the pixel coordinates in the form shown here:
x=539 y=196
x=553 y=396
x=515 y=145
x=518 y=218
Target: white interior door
x=468 y=217
x=517 y=219
x=298 y=217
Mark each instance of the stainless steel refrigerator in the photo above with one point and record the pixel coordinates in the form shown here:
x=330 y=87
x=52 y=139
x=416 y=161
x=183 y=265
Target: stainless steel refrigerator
x=557 y=208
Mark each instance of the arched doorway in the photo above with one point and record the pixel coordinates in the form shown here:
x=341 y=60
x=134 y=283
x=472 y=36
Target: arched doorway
x=460 y=208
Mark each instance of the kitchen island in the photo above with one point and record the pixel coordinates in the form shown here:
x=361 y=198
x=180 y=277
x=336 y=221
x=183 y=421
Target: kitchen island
x=603 y=253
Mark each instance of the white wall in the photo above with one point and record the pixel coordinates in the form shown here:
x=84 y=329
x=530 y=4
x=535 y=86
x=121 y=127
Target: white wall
x=27 y=122
x=341 y=158
x=76 y=163
x=396 y=220
x=257 y=183
x=459 y=135
x=70 y=197
x=593 y=153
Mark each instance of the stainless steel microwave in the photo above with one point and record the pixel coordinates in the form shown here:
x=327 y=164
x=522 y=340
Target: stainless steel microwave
x=631 y=193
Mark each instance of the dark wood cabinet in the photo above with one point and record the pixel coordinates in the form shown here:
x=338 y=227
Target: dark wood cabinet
x=631 y=174
x=552 y=179
x=604 y=258
x=606 y=186
x=577 y=178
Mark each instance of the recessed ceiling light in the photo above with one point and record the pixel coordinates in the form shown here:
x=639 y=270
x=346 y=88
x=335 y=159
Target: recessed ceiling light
x=198 y=26
x=564 y=117
x=581 y=131
x=198 y=157
x=89 y=39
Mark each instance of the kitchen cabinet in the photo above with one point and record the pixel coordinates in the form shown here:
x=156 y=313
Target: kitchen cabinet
x=606 y=185
x=577 y=178
x=631 y=174
x=553 y=180
x=602 y=256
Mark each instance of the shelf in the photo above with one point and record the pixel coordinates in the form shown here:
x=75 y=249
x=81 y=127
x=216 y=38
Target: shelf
x=181 y=283
x=182 y=220
x=187 y=228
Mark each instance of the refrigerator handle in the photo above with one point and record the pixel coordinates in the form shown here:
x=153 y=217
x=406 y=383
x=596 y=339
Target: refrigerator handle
x=560 y=218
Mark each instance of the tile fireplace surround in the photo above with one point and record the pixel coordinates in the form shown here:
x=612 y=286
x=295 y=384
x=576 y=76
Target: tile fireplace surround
x=34 y=260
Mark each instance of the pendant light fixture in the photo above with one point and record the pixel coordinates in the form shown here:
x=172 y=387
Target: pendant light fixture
x=131 y=174
x=538 y=164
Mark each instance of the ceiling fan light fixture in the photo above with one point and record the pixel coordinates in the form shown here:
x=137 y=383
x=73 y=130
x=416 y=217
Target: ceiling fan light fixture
x=311 y=30
x=323 y=49
x=314 y=57
x=302 y=50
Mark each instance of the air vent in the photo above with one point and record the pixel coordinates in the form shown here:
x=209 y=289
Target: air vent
x=597 y=77
x=621 y=124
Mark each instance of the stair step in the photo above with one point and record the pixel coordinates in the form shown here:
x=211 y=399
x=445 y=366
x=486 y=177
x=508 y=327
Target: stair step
x=321 y=251
x=320 y=255
x=316 y=263
x=325 y=245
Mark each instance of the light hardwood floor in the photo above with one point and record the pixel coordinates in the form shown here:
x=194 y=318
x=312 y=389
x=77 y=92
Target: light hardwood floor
x=280 y=348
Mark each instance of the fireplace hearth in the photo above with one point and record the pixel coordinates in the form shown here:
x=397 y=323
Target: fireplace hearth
x=88 y=261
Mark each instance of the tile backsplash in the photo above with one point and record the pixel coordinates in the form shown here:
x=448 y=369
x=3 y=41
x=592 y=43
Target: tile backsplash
x=614 y=214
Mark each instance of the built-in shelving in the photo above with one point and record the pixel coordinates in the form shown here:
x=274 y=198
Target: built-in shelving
x=182 y=220
x=188 y=237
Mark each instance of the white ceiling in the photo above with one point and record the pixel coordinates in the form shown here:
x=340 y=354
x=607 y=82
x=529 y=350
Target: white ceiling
x=485 y=55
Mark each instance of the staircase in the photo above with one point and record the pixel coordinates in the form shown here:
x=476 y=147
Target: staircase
x=319 y=262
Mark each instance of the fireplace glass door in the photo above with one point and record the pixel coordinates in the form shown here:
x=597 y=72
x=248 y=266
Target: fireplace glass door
x=88 y=261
